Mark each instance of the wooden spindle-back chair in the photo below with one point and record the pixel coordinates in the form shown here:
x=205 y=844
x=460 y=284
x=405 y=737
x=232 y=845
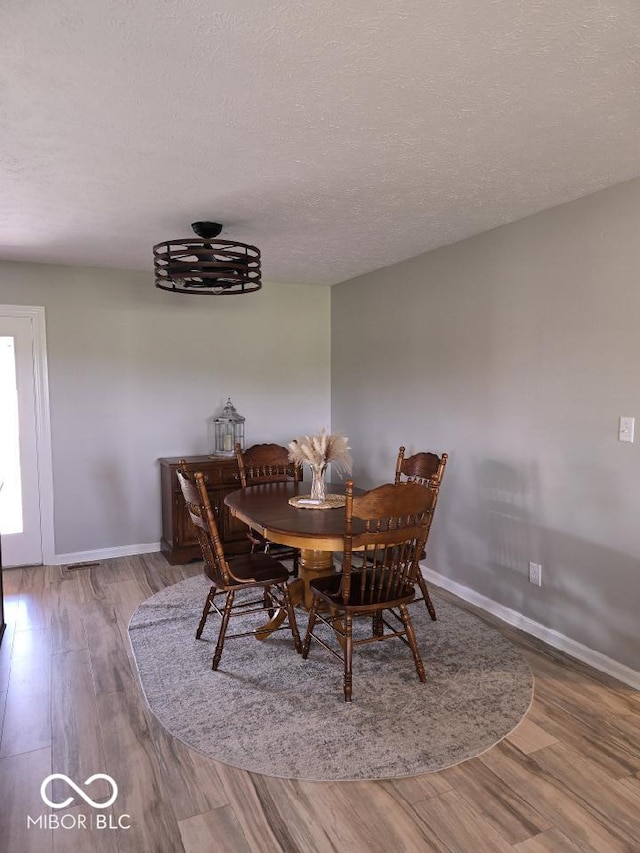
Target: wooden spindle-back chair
x=428 y=469
x=385 y=533
x=268 y=463
x=239 y=574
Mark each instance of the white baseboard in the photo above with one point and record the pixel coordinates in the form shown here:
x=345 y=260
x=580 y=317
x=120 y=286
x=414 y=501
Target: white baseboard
x=553 y=638
x=105 y=554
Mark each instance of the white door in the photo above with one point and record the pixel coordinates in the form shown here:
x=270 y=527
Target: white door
x=22 y=370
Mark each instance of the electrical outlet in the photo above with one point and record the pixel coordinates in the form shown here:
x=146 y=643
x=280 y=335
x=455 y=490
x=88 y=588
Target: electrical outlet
x=535 y=574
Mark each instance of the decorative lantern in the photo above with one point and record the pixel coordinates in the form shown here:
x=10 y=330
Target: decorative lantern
x=228 y=431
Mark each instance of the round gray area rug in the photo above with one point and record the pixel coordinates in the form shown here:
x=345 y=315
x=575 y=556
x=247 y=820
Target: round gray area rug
x=268 y=711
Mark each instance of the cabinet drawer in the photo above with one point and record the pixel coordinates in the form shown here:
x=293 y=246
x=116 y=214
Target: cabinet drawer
x=231 y=476
x=215 y=473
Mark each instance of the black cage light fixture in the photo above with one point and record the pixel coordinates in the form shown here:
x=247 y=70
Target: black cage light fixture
x=207 y=265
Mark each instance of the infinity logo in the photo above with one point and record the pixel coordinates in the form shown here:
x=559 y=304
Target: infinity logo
x=72 y=784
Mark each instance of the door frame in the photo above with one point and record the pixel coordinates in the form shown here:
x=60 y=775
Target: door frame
x=36 y=314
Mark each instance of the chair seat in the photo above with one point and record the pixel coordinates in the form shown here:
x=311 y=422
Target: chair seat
x=328 y=588
x=260 y=567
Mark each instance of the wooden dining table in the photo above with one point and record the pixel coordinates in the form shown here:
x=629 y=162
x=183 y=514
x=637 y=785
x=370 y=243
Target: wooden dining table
x=316 y=532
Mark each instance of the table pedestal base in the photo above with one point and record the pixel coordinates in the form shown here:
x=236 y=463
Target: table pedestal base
x=311 y=565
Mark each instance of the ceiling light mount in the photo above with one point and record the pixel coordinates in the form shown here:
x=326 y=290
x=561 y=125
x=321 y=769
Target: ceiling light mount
x=207 y=265
x=207 y=230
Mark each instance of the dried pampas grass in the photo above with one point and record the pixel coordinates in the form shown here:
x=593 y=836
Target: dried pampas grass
x=320 y=450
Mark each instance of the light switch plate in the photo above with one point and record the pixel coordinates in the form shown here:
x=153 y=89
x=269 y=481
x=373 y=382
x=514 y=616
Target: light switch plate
x=627 y=428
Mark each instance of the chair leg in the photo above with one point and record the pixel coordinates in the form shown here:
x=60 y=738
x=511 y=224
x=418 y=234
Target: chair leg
x=292 y=621
x=223 y=629
x=378 y=627
x=348 y=655
x=296 y=561
x=427 y=598
x=310 y=624
x=206 y=611
x=413 y=645
x=268 y=602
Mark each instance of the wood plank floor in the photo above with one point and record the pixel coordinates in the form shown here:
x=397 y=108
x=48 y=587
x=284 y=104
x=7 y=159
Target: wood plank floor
x=567 y=779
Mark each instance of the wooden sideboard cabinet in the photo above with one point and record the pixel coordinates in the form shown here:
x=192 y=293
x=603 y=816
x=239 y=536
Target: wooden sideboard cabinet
x=179 y=543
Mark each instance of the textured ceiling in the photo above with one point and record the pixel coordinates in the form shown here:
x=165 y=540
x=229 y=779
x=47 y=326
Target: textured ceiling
x=339 y=136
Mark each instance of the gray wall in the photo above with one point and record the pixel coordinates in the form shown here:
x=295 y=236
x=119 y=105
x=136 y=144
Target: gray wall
x=134 y=374
x=516 y=352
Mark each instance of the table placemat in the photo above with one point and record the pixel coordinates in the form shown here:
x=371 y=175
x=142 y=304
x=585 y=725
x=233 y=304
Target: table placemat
x=330 y=502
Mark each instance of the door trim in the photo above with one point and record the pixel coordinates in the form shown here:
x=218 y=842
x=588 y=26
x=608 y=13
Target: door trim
x=43 y=422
